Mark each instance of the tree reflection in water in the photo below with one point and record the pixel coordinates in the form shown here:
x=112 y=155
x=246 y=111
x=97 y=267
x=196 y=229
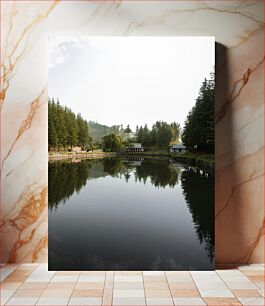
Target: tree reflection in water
x=160 y=171
x=66 y=177
x=198 y=190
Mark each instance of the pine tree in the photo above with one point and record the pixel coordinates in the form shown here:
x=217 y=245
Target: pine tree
x=52 y=133
x=83 y=135
x=65 y=128
x=128 y=129
x=198 y=131
x=140 y=135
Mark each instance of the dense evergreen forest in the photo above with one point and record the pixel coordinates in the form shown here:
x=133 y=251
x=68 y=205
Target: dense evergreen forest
x=198 y=131
x=65 y=129
x=160 y=136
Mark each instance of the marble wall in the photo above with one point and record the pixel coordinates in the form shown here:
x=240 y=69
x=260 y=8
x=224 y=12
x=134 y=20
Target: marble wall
x=238 y=28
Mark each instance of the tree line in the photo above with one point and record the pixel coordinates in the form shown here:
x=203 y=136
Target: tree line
x=198 y=130
x=65 y=129
x=160 y=135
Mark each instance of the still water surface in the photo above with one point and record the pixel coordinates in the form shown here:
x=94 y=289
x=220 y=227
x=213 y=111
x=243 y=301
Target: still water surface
x=130 y=214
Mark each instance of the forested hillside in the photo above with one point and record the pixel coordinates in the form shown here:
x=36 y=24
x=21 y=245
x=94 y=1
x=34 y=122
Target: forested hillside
x=97 y=130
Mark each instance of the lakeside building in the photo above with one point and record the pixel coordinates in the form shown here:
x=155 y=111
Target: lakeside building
x=177 y=148
x=135 y=147
x=77 y=149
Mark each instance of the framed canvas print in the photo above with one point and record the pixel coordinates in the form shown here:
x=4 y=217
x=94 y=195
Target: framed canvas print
x=131 y=153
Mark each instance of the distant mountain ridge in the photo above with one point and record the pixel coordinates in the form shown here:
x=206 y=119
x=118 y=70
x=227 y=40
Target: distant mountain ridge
x=97 y=130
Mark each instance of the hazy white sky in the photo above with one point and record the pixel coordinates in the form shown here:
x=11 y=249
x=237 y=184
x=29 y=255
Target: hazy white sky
x=135 y=80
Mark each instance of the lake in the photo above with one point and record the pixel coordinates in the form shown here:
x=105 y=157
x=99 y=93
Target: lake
x=130 y=213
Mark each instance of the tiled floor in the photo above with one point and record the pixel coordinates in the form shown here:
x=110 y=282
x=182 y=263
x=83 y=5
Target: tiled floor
x=33 y=284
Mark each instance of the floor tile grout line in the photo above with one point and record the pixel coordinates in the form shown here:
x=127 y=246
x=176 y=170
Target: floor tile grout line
x=203 y=298
x=112 y=289
x=112 y=293
x=231 y=289
x=9 y=297
x=13 y=271
x=106 y=272
x=145 y=298
x=228 y=289
x=195 y=284
x=236 y=289
x=68 y=300
x=15 y=290
x=104 y=288
x=169 y=288
x=44 y=288
x=73 y=288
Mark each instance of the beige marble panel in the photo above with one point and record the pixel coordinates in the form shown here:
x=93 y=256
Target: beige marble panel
x=237 y=25
x=239 y=214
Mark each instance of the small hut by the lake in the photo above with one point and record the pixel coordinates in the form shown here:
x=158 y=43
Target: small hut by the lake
x=177 y=148
x=134 y=147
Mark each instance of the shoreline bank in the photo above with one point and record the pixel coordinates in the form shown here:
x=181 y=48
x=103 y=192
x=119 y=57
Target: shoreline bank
x=71 y=155
x=203 y=162
x=200 y=161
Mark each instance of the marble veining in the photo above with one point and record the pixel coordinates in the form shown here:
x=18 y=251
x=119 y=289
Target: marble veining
x=237 y=88
x=167 y=18
x=238 y=27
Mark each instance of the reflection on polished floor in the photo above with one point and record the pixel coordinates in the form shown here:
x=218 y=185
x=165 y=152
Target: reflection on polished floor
x=33 y=284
